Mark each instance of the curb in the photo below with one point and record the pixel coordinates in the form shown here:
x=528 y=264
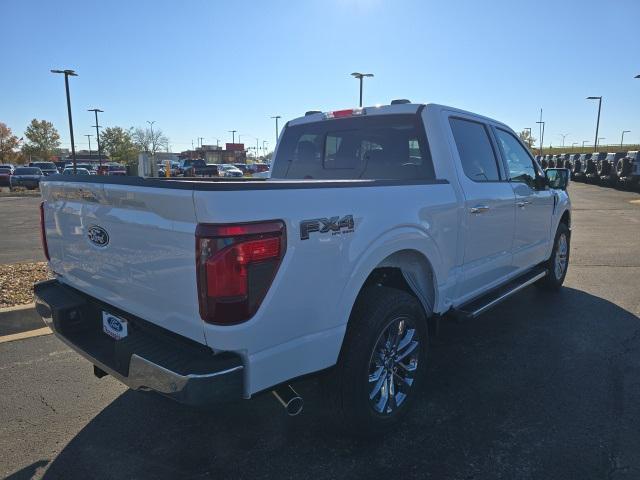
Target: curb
x=19 y=319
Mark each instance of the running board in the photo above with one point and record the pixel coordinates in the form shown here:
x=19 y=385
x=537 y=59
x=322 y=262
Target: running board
x=500 y=294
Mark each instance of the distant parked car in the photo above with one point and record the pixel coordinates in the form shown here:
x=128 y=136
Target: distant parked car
x=580 y=166
x=228 y=170
x=243 y=167
x=60 y=165
x=628 y=169
x=197 y=167
x=571 y=161
x=5 y=174
x=175 y=169
x=591 y=172
x=27 y=177
x=112 y=169
x=606 y=167
x=79 y=171
x=47 y=168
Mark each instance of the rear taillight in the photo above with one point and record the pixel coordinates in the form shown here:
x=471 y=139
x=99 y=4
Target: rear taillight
x=235 y=267
x=43 y=234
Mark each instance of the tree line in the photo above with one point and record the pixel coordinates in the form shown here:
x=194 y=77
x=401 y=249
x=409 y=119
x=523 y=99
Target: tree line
x=41 y=141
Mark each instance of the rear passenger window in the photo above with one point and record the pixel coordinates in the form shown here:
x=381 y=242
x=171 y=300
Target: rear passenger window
x=475 y=150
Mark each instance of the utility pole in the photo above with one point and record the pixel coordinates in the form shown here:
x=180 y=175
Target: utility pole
x=200 y=139
x=360 y=76
x=233 y=135
x=277 y=131
x=69 y=73
x=622 y=139
x=89 y=139
x=95 y=111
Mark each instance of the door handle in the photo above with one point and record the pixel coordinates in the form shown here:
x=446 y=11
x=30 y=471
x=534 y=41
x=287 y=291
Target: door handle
x=479 y=209
x=523 y=203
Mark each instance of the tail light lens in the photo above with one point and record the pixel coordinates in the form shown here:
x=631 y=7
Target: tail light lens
x=43 y=234
x=235 y=267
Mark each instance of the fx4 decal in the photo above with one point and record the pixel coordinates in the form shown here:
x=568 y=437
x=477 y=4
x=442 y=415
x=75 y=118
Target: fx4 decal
x=335 y=225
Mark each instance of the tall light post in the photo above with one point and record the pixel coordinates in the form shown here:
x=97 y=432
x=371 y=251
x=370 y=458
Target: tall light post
x=601 y=138
x=622 y=138
x=573 y=144
x=360 y=77
x=541 y=134
x=595 y=143
x=69 y=73
x=583 y=142
x=89 y=140
x=277 y=131
x=95 y=111
x=563 y=135
x=153 y=149
x=233 y=135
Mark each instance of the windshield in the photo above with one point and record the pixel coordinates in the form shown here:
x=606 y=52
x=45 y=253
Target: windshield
x=28 y=171
x=45 y=165
x=377 y=147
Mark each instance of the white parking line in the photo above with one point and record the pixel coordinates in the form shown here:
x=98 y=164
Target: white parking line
x=22 y=335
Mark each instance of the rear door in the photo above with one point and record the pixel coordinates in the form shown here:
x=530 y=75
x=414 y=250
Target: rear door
x=130 y=246
x=534 y=207
x=489 y=207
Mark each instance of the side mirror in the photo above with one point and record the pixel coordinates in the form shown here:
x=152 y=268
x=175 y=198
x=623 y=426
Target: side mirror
x=558 y=178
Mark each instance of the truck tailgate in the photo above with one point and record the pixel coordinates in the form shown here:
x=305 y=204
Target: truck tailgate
x=132 y=247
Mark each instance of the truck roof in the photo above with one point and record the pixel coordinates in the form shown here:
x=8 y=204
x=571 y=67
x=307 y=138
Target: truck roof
x=392 y=109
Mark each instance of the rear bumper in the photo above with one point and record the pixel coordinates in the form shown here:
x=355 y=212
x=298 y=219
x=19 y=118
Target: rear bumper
x=149 y=358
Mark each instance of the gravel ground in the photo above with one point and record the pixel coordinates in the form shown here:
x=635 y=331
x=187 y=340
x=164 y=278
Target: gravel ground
x=16 y=282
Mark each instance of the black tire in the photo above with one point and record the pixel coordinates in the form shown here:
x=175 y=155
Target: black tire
x=555 y=278
x=349 y=387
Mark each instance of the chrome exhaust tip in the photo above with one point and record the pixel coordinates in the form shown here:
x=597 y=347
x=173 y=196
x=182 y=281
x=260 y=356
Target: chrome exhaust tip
x=289 y=399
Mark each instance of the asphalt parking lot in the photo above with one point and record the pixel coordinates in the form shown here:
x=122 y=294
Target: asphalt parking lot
x=544 y=386
x=20 y=229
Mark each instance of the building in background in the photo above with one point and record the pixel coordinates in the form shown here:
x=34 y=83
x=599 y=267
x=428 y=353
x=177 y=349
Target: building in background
x=232 y=153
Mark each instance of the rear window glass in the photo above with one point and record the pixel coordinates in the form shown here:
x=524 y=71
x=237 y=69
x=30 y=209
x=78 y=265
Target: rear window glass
x=377 y=147
x=27 y=171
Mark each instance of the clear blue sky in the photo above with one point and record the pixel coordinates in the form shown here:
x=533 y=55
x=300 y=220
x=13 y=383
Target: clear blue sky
x=200 y=68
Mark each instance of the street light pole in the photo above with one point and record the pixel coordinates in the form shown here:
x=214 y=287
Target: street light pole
x=595 y=145
x=233 y=135
x=153 y=149
x=563 y=135
x=89 y=139
x=541 y=134
x=360 y=77
x=622 y=139
x=69 y=73
x=95 y=111
x=277 y=131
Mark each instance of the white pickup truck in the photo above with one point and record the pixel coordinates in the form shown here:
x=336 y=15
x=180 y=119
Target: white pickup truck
x=374 y=220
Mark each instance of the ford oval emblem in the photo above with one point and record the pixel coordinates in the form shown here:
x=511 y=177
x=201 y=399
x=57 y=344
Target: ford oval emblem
x=115 y=324
x=98 y=236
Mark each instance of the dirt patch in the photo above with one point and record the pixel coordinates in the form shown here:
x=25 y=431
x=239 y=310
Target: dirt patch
x=17 y=279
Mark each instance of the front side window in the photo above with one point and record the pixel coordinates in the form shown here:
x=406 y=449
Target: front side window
x=519 y=163
x=378 y=147
x=474 y=148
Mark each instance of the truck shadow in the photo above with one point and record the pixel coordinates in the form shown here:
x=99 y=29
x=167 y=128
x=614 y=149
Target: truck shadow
x=545 y=385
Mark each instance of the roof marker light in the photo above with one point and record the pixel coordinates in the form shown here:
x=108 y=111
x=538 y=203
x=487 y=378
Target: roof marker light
x=350 y=112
